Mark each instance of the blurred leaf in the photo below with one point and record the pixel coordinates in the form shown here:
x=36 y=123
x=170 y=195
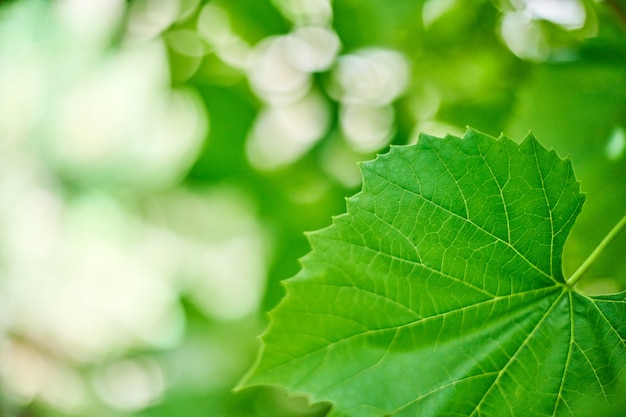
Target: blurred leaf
x=441 y=289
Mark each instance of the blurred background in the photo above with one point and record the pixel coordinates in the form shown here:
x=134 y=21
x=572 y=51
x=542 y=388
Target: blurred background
x=161 y=159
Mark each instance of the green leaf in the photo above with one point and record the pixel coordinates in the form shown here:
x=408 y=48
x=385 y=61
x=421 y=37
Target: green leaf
x=440 y=293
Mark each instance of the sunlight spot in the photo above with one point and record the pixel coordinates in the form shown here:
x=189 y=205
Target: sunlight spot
x=130 y=384
x=148 y=18
x=282 y=133
x=312 y=48
x=90 y=18
x=23 y=369
x=23 y=82
x=29 y=374
x=232 y=288
x=367 y=128
x=306 y=12
x=120 y=124
x=341 y=163
x=523 y=36
x=272 y=74
x=93 y=252
x=569 y=14
x=372 y=76
x=185 y=42
x=187 y=8
x=217 y=227
x=434 y=9
x=617 y=143
x=214 y=25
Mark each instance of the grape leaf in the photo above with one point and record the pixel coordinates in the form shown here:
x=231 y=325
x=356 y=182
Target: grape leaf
x=440 y=293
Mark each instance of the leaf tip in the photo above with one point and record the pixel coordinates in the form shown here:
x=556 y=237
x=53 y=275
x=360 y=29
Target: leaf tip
x=470 y=132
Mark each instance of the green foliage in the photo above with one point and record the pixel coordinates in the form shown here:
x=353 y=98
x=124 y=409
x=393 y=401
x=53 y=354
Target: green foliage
x=162 y=158
x=441 y=292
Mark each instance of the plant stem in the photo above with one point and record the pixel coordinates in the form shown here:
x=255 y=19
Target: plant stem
x=596 y=252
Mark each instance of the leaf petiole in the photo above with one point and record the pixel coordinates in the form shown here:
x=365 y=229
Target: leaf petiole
x=576 y=276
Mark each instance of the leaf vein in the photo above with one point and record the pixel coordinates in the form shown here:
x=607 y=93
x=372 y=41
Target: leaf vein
x=514 y=356
x=478 y=227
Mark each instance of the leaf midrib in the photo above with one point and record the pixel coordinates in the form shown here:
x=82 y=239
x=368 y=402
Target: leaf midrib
x=423 y=320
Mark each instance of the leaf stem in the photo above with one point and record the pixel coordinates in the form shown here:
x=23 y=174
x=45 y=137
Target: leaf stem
x=596 y=252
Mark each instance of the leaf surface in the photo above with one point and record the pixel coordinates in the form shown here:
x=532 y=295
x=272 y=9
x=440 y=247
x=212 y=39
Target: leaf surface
x=440 y=293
